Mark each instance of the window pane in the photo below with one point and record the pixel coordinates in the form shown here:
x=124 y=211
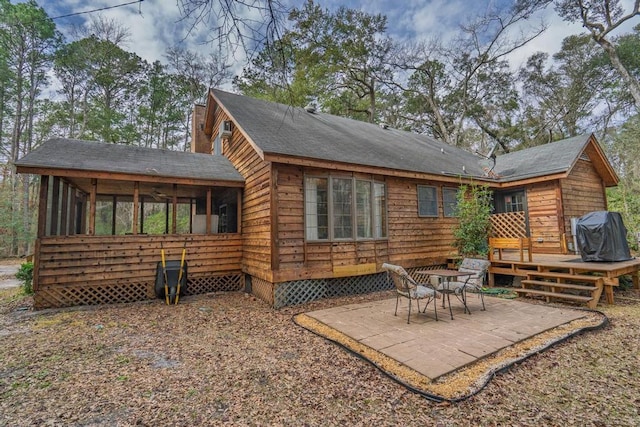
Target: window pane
x=104 y=217
x=316 y=208
x=342 y=193
x=427 y=201
x=363 y=209
x=379 y=210
x=514 y=202
x=449 y=201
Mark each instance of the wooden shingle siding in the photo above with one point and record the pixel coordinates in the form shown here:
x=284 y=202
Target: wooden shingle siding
x=542 y=203
x=256 y=202
x=582 y=192
x=312 y=260
x=83 y=261
x=290 y=217
x=413 y=240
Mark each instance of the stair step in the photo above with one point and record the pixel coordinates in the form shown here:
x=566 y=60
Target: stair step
x=559 y=295
x=558 y=275
x=586 y=288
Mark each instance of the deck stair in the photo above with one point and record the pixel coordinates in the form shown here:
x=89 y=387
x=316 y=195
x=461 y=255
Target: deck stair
x=563 y=286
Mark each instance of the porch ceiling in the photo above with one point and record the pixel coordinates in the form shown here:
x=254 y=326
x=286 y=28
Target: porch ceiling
x=155 y=190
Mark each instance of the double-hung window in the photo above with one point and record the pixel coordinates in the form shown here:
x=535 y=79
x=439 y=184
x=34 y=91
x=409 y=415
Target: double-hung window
x=427 y=200
x=449 y=201
x=341 y=208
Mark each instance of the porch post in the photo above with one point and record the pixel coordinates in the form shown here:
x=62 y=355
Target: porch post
x=92 y=207
x=114 y=206
x=174 y=220
x=239 y=210
x=64 y=211
x=55 y=207
x=83 y=213
x=42 y=205
x=142 y=214
x=73 y=201
x=136 y=200
x=208 y=218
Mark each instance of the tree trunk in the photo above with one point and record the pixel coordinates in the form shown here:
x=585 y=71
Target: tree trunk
x=631 y=82
x=372 y=100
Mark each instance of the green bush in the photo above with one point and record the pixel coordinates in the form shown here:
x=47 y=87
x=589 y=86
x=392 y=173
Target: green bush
x=474 y=212
x=25 y=274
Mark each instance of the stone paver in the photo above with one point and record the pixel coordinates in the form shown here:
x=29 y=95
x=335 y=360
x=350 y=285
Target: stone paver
x=435 y=348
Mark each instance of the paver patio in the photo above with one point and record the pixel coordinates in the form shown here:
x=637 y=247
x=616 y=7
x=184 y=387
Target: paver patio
x=435 y=348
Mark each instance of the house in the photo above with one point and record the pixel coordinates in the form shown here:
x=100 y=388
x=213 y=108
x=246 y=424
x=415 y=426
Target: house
x=288 y=203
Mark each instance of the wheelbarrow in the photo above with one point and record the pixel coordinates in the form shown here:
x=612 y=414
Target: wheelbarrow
x=171 y=278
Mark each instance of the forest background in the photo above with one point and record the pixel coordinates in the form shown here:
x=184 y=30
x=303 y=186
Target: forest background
x=460 y=89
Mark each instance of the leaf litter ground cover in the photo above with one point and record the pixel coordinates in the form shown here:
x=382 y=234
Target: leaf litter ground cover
x=229 y=359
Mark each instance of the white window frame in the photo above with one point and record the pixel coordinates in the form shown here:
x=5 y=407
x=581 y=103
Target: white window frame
x=378 y=216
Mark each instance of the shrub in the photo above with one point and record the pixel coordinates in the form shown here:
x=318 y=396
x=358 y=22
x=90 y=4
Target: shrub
x=473 y=211
x=25 y=274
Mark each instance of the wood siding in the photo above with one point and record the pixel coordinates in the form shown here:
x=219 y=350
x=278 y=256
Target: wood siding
x=417 y=241
x=256 y=202
x=102 y=261
x=412 y=241
x=299 y=259
x=543 y=202
x=582 y=192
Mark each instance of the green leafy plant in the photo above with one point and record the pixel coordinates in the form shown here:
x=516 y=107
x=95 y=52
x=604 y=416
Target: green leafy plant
x=25 y=274
x=473 y=209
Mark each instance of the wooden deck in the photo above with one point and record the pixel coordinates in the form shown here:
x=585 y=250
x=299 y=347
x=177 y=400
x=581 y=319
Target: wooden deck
x=565 y=271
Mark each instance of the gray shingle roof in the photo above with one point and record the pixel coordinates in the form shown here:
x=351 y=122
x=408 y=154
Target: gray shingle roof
x=73 y=154
x=292 y=131
x=555 y=157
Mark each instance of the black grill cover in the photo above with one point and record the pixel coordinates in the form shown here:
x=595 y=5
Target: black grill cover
x=602 y=237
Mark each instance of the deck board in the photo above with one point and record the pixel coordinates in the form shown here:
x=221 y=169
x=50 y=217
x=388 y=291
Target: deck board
x=511 y=265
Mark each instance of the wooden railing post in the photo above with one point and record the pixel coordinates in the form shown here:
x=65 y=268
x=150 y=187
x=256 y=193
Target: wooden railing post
x=136 y=201
x=42 y=205
x=92 y=207
x=208 y=219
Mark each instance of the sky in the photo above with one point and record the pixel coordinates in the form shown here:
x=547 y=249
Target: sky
x=157 y=24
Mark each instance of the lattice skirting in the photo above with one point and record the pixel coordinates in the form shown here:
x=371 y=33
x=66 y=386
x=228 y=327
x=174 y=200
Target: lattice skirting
x=262 y=289
x=301 y=291
x=204 y=285
x=67 y=296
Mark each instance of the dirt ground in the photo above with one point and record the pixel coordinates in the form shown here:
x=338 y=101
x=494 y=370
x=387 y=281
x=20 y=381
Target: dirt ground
x=8 y=270
x=229 y=359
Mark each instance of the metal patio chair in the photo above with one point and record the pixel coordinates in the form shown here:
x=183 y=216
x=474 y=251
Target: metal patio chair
x=407 y=287
x=477 y=269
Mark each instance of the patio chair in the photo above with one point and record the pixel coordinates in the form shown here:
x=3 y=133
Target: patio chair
x=407 y=287
x=477 y=269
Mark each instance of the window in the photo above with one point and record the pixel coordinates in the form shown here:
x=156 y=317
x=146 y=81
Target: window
x=514 y=202
x=449 y=201
x=427 y=201
x=317 y=208
x=342 y=198
x=363 y=209
x=379 y=210
x=338 y=208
